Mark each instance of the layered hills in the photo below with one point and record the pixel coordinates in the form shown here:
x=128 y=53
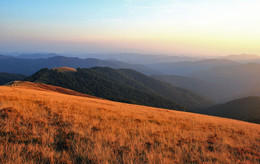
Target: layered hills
x=29 y=66
x=43 y=126
x=237 y=79
x=241 y=108
x=7 y=77
x=245 y=109
x=243 y=58
x=207 y=89
x=122 y=85
x=187 y=67
x=221 y=83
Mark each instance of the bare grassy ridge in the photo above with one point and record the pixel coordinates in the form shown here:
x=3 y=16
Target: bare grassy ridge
x=46 y=87
x=50 y=127
x=65 y=69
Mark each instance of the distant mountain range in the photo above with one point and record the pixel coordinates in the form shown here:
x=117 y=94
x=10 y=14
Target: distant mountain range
x=185 y=68
x=236 y=79
x=136 y=58
x=37 y=55
x=30 y=66
x=252 y=92
x=221 y=83
x=243 y=58
x=7 y=77
x=121 y=85
x=142 y=58
x=245 y=109
x=207 y=89
x=144 y=63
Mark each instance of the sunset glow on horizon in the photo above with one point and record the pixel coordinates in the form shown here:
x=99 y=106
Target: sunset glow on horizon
x=189 y=27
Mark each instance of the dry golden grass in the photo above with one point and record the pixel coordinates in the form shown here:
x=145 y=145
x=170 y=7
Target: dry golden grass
x=65 y=69
x=45 y=87
x=49 y=127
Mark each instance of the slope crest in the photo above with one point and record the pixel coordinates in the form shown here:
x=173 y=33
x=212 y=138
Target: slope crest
x=122 y=85
x=46 y=87
x=245 y=109
x=64 y=69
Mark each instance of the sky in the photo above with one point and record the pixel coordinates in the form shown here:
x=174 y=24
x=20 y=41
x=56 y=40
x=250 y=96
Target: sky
x=184 y=27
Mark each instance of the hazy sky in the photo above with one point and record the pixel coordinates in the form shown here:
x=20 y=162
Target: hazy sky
x=195 y=27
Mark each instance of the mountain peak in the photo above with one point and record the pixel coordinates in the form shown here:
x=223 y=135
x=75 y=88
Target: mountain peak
x=64 y=69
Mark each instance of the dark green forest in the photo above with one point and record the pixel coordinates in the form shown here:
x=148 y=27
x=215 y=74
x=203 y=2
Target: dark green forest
x=122 y=85
x=7 y=77
x=245 y=109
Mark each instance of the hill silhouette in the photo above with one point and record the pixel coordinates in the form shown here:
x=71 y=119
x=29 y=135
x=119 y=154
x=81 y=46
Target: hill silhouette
x=7 y=77
x=253 y=92
x=210 y=90
x=245 y=109
x=38 y=55
x=187 y=67
x=41 y=126
x=236 y=80
x=30 y=66
x=122 y=85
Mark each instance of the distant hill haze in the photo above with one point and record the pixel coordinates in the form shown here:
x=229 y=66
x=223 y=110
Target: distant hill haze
x=122 y=85
x=252 y=92
x=220 y=83
x=143 y=59
x=185 y=68
x=245 y=109
x=243 y=58
x=38 y=55
x=30 y=66
x=207 y=89
x=236 y=79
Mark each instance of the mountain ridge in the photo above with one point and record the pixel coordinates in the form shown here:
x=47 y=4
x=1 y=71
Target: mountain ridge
x=204 y=88
x=114 y=84
x=245 y=109
x=7 y=77
x=187 y=67
x=236 y=79
x=30 y=66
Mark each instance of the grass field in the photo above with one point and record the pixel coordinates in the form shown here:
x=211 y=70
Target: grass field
x=40 y=125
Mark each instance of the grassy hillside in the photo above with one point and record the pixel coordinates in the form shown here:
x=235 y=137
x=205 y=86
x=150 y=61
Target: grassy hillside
x=7 y=77
x=45 y=87
x=50 y=127
x=246 y=109
x=122 y=85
